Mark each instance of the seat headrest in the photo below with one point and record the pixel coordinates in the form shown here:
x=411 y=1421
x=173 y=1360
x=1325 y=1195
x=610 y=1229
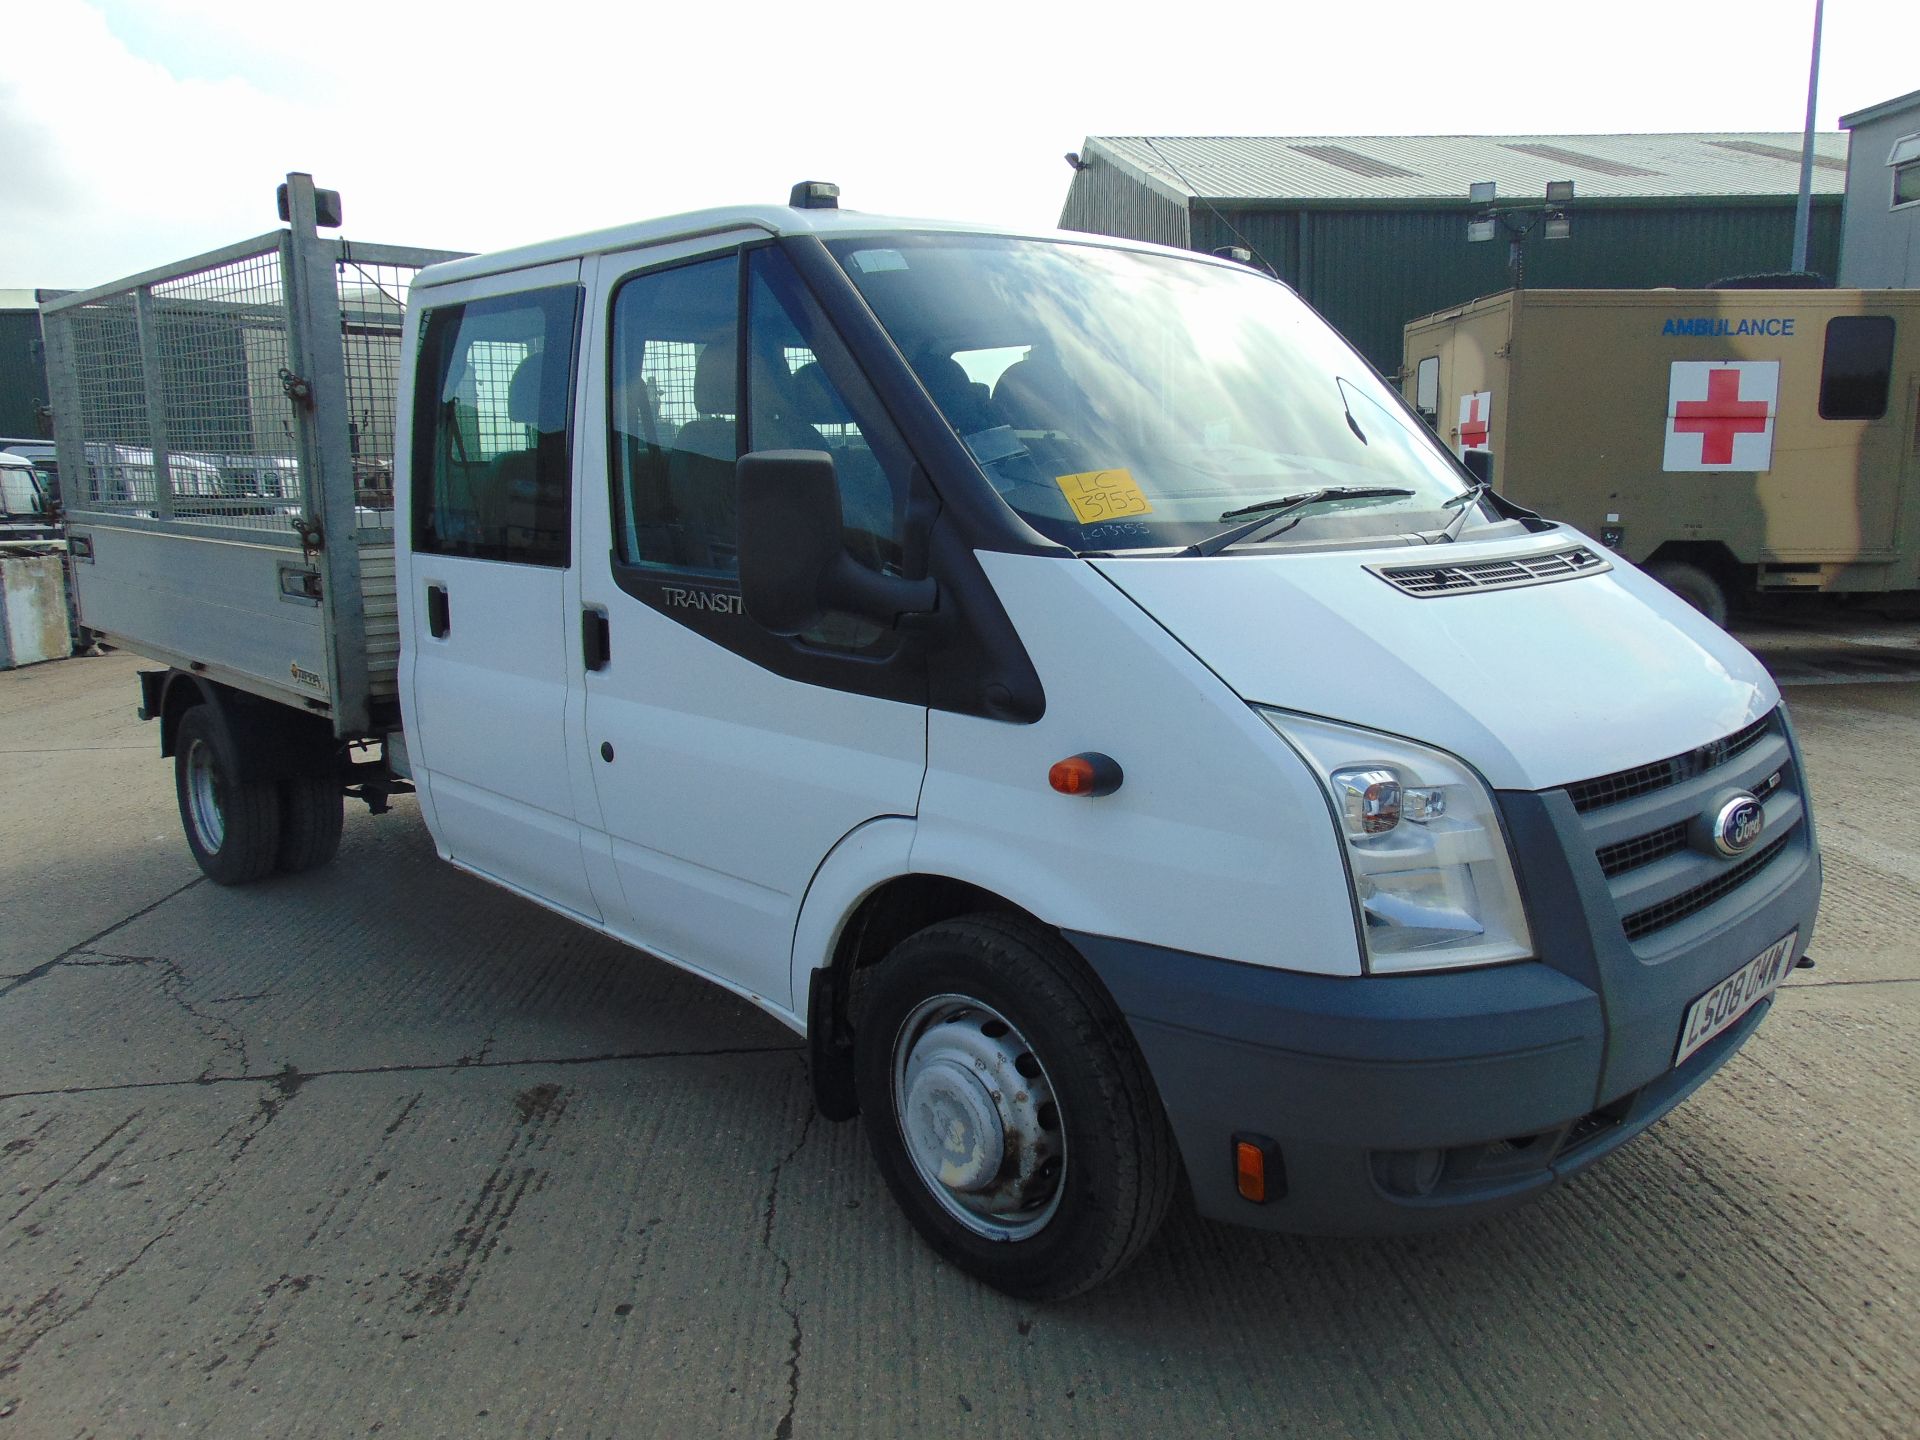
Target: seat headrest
x=815 y=400
x=523 y=394
x=714 y=378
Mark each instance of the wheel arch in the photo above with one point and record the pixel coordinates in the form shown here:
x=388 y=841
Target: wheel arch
x=864 y=901
x=266 y=740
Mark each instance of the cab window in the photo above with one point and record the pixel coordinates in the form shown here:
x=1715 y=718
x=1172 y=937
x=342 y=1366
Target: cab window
x=490 y=428
x=676 y=425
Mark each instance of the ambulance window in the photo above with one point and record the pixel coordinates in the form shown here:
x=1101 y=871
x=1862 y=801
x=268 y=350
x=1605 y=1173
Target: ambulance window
x=1426 y=389
x=1854 y=375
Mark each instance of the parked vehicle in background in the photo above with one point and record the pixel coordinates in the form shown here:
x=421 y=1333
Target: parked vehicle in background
x=41 y=454
x=26 y=510
x=1053 y=675
x=1738 y=443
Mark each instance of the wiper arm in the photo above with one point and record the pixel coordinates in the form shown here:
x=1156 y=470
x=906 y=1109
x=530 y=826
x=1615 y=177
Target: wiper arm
x=1464 y=503
x=1265 y=512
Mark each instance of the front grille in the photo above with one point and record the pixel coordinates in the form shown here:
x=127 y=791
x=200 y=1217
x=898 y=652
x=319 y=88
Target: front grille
x=1645 y=779
x=1688 y=902
x=1625 y=855
x=1504 y=574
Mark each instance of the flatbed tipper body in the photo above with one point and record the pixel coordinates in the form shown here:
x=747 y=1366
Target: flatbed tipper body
x=225 y=431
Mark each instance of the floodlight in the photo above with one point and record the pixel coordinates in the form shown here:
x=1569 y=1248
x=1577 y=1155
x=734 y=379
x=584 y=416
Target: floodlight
x=1481 y=192
x=1558 y=226
x=1480 y=229
x=1559 y=192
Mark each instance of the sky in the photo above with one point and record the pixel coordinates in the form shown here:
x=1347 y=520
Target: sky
x=138 y=132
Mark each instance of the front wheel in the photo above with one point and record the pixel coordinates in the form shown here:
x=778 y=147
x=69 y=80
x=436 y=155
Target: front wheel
x=1008 y=1108
x=232 y=825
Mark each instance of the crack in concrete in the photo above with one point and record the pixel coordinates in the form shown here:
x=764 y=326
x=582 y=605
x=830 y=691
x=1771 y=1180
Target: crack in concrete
x=21 y=981
x=1829 y=984
x=95 y=1149
x=465 y=1063
x=783 y=1429
x=247 y=1131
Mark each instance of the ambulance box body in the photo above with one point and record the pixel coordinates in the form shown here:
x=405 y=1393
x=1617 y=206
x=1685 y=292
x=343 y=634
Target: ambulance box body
x=1757 y=440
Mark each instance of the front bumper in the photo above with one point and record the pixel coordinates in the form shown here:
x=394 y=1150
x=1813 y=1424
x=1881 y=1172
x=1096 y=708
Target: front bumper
x=1414 y=1102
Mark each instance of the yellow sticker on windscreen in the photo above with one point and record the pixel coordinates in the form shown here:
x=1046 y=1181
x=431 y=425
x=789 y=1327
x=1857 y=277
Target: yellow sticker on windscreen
x=1097 y=495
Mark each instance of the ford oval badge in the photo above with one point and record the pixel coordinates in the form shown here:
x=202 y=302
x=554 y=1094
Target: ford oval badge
x=1738 y=825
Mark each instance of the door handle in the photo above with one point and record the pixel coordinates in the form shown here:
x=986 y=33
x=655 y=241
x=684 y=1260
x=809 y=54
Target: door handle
x=596 y=639
x=439 y=618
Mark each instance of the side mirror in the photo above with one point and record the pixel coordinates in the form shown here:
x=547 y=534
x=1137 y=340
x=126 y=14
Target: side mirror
x=794 y=565
x=1479 y=464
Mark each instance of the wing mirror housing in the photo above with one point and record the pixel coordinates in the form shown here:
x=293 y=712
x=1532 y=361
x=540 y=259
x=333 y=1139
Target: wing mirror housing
x=794 y=565
x=1479 y=464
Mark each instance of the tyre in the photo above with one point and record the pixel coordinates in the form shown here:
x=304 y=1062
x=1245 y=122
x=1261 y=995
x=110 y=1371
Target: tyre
x=311 y=811
x=232 y=825
x=1695 y=586
x=1008 y=1108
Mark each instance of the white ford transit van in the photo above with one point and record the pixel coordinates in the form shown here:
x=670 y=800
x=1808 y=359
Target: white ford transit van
x=1059 y=678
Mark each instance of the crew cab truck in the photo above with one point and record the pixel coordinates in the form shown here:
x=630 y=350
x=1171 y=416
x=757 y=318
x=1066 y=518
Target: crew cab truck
x=1059 y=679
x=1742 y=444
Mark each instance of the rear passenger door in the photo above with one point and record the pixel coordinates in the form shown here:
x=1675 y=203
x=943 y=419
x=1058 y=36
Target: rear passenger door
x=729 y=761
x=491 y=517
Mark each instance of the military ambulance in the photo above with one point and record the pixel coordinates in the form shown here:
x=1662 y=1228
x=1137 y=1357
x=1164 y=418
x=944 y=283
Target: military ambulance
x=1735 y=442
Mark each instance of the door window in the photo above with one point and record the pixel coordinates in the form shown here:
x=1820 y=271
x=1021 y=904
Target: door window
x=673 y=421
x=1857 y=367
x=675 y=429
x=491 y=451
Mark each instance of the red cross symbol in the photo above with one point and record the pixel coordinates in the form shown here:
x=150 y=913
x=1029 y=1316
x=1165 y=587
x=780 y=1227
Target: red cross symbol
x=1473 y=429
x=1719 y=417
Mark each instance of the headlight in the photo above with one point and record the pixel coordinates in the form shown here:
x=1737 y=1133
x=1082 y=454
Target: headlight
x=1431 y=871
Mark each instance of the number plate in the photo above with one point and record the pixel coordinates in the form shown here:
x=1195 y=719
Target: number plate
x=1735 y=995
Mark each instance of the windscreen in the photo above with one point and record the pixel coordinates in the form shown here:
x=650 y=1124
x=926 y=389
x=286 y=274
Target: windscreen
x=1123 y=400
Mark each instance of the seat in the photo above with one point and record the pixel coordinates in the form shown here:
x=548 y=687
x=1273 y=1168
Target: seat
x=700 y=463
x=1035 y=394
x=522 y=500
x=967 y=405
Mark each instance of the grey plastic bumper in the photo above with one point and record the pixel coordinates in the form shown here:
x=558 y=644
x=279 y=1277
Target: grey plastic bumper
x=1505 y=1071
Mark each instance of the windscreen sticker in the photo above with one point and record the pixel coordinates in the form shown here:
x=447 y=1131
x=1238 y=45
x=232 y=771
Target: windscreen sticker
x=1097 y=495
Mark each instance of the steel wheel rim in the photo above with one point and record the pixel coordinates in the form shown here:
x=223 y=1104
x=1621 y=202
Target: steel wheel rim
x=978 y=1117
x=203 y=797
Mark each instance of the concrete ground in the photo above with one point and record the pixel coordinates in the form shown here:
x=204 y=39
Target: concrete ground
x=384 y=1150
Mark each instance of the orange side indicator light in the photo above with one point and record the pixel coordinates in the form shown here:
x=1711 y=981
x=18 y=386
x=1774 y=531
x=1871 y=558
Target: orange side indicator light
x=1088 y=773
x=1254 y=1156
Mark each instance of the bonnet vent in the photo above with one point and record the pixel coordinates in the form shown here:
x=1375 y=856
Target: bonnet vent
x=1507 y=573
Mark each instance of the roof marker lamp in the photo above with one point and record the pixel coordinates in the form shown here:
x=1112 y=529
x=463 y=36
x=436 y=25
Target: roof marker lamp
x=1431 y=870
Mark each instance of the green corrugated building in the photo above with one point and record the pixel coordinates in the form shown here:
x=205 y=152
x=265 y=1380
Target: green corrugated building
x=1372 y=230
x=23 y=372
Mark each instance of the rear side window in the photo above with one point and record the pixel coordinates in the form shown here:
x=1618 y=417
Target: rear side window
x=1857 y=368
x=491 y=455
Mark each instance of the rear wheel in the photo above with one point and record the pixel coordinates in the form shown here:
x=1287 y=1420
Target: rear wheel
x=1008 y=1109
x=232 y=825
x=1695 y=586
x=312 y=809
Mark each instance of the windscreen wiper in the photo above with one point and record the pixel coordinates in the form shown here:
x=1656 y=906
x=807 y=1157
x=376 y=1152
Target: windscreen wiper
x=1265 y=512
x=1464 y=502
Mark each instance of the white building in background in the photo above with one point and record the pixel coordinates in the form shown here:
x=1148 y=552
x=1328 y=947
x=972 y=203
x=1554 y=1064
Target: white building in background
x=1880 y=236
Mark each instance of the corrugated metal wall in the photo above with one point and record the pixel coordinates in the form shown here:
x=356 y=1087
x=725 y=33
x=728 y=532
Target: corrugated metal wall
x=1371 y=270
x=1106 y=201
x=23 y=374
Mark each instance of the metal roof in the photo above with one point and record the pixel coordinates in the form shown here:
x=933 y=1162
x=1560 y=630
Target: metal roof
x=1426 y=167
x=1881 y=111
